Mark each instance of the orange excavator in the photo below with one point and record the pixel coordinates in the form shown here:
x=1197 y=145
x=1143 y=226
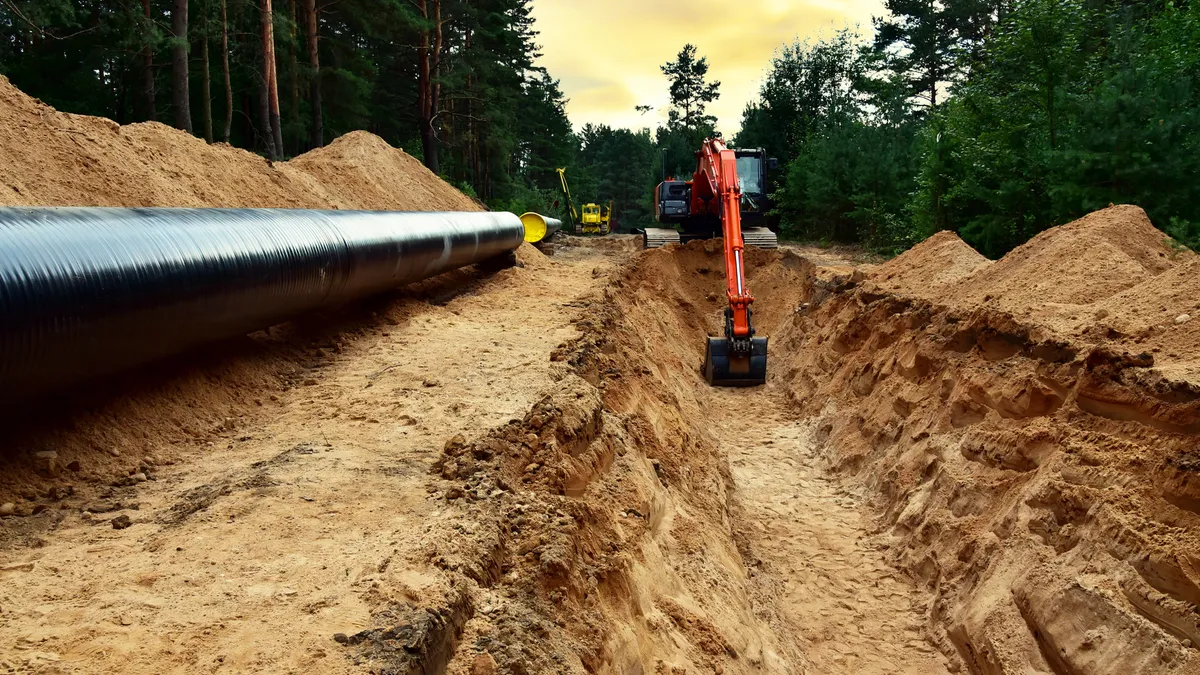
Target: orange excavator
x=737 y=359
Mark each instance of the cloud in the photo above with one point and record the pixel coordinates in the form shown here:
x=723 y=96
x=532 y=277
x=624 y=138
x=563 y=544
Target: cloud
x=607 y=54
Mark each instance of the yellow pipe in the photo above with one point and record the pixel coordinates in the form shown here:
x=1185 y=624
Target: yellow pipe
x=539 y=227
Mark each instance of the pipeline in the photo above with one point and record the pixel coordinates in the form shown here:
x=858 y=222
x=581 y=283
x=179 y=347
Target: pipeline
x=86 y=292
x=539 y=228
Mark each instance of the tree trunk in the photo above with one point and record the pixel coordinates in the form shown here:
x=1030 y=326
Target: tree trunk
x=148 y=71
x=435 y=103
x=294 y=80
x=270 y=77
x=206 y=87
x=472 y=126
x=225 y=72
x=317 y=137
x=425 y=93
x=179 y=66
x=264 y=119
x=933 y=87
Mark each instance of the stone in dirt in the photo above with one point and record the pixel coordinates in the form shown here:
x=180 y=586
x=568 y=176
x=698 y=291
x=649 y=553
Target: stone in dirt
x=121 y=522
x=46 y=463
x=484 y=665
x=8 y=509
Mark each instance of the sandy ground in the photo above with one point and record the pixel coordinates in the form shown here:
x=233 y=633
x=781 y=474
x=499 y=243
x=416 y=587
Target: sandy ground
x=851 y=609
x=955 y=464
x=251 y=556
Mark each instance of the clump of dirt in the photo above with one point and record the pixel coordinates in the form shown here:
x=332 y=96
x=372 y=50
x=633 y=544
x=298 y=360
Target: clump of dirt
x=1078 y=264
x=1028 y=432
x=360 y=168
x=1088 y=260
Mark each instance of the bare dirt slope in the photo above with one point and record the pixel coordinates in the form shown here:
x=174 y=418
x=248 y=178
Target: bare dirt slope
x=1031 y=431
x=51 y=158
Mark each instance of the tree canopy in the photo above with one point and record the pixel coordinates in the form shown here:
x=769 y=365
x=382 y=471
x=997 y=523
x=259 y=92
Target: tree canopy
x=996 y=120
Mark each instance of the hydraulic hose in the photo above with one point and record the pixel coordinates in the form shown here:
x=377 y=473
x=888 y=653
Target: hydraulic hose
x=86 y=292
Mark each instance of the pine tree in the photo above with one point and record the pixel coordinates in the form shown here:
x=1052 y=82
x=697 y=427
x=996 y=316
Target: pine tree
x=690 y=91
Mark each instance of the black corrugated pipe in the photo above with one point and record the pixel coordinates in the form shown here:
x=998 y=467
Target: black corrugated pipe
x=91 y=291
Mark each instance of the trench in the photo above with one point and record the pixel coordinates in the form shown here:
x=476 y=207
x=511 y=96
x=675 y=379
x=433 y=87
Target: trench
x=817 y=575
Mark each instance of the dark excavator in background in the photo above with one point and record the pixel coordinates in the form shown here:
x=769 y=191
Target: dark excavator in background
x=690 y=208
x=714 y=198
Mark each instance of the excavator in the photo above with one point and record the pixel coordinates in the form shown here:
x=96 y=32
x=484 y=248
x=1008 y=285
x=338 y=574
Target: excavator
x=596 y=218
x=738 y=358
x=688 y=206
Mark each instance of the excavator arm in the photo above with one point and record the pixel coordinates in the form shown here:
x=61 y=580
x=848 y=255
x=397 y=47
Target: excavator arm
x=562 y=176
x=737 y=359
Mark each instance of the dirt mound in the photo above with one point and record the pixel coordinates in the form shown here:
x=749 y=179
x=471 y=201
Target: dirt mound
x=940 y=261
x=1095 y=257
x=49 y=158
x=1030 y=433
x=362 y=168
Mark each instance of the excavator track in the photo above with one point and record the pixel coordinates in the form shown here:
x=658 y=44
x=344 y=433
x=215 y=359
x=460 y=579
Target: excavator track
x=658 y=237
x=760 y=237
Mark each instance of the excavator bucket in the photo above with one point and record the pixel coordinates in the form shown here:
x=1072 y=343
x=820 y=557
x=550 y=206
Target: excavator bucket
x=723 y=367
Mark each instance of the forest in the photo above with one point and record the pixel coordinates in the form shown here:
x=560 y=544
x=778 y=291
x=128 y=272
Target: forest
x=996 y=119
x=993 y=118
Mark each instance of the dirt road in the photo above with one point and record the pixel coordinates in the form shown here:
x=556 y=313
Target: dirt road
x=303 y=520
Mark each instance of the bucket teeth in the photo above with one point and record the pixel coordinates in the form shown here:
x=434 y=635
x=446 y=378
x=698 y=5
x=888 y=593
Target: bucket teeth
x=724 y=367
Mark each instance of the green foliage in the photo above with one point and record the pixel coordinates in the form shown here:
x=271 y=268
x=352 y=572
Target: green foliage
x=618 y=165
x=690 y=90
x=844 y=131
x=1046 y=110
x=1075 y=105
x=688 y=122
x=1185 y=233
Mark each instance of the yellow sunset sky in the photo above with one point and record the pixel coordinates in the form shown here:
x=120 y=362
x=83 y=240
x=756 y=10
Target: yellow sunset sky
x=607 y=53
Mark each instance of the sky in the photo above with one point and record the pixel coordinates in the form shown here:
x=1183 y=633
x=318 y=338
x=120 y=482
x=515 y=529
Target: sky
x=607 y=53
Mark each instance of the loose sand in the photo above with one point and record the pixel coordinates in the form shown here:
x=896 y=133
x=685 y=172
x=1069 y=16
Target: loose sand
x=956 y=464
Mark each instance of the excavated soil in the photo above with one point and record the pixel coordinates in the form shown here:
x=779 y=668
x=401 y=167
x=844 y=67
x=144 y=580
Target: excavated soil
x=1030 y=431
x=51 y=158
x=522 y=471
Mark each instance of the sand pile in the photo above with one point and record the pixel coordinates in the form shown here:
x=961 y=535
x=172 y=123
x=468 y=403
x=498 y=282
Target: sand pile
x=929 y=267
x=1031 y=431
x=1080 y=263
x=1090 y=259
x=49 y=158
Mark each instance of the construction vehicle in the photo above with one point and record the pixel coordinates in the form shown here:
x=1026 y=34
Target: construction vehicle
x=737 y=358
x=690 y=206
x=595 y=218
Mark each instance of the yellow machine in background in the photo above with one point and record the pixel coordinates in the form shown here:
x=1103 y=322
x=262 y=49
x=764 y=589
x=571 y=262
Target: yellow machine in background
x=595 y=219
